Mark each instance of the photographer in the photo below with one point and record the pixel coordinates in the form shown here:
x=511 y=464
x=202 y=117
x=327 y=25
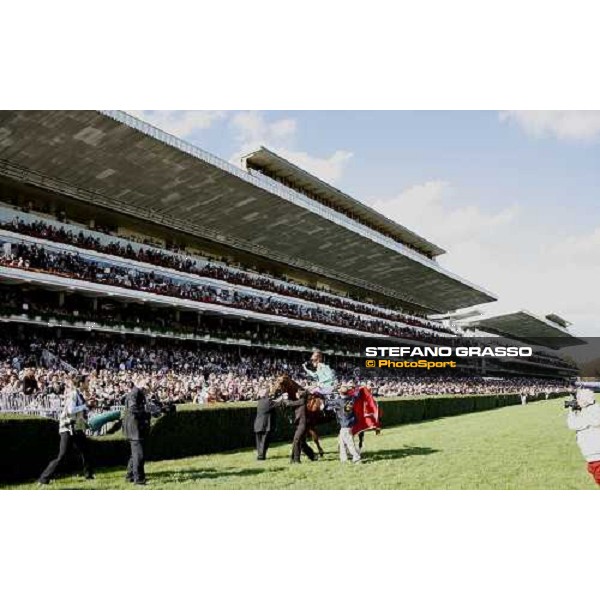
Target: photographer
x=136 y=426
x=72 y=426
x=584 y=418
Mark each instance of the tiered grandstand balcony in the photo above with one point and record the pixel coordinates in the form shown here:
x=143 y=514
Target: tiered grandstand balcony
x=220 y=292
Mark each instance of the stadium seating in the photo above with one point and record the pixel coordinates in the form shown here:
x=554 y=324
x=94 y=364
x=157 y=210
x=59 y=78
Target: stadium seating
x=100 y=270
x=72 y=235
x=180 y=373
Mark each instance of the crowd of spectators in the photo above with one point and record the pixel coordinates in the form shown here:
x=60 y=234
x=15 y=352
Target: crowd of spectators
x=188 y=264
x=38 y=367
x=79 y=310
x=71 y=264
x=432 y=386
x=177 y=373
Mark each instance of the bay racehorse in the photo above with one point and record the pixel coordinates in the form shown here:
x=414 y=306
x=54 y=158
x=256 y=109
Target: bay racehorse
x=315 y=413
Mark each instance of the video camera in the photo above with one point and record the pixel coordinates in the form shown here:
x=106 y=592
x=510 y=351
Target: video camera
x=580 y=385
x=572 y=403
x=157 y=409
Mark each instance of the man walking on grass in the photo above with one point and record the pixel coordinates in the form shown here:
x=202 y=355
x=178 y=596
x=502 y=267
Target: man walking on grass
x=136 y=426
x=264 y=424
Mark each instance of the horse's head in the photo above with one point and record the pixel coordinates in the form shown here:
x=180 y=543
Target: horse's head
x=284 y=384
x=280 y=385
x=314 y=403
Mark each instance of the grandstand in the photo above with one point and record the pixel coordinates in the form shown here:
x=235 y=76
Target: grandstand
x=546 y=336
x=117 y=237
x=108 y=163
x=527 y=327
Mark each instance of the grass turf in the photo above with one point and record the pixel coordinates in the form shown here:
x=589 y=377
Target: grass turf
x=510 y=448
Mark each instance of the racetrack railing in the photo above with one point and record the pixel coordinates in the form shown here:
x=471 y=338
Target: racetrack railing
x=43 y=405
x=40 y=404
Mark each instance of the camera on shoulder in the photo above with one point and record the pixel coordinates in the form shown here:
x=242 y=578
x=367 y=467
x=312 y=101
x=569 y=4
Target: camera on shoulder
x=572 y=404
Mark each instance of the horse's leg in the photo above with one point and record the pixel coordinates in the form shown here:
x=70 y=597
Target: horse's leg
x=315 y=438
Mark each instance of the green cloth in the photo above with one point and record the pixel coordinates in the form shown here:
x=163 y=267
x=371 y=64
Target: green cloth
x=98 y=421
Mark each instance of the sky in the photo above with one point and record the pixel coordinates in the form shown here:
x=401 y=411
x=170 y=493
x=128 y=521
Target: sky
x=512 y=196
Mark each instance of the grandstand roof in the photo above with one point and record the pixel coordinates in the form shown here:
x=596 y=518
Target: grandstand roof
x=457 y=316
x=273 y=165
x=558 y=320
x=524 y=326
x=115 y=161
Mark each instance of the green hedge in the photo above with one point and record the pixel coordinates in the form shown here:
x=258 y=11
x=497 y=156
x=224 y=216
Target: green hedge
x=28 y=443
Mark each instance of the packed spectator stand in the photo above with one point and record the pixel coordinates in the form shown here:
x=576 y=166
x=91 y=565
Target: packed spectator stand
x=28 y=256
x=189 y=264
x=42 y=306
x=34 y=366
x=33 y=374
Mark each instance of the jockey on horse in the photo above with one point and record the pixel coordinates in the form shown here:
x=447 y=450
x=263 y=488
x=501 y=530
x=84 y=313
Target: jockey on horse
x=318 y=412
x=324 y=375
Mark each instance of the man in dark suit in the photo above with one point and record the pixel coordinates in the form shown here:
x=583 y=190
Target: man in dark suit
x=264 y=425
x=299 y=444
x=136 y=426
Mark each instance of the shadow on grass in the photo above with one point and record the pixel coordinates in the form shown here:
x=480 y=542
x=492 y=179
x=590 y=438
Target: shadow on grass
x=198 y=474
x=394 y=453
x=166 y=476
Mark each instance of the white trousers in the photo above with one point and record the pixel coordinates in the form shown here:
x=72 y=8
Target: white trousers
x=346 y=442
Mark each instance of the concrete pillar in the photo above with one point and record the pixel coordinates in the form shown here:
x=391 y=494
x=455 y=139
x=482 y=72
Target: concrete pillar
x=95 y=304
x=61 y=299
x=178 y=316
